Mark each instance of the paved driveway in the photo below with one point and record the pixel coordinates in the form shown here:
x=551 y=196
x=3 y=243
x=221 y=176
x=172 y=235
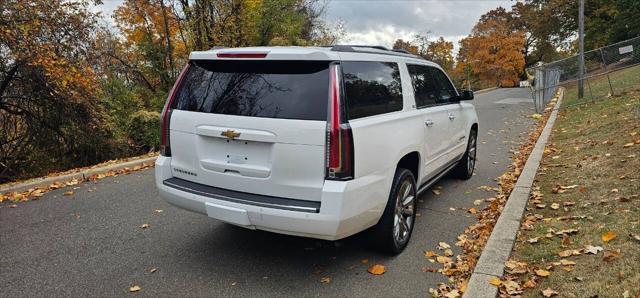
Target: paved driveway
x=91 y=243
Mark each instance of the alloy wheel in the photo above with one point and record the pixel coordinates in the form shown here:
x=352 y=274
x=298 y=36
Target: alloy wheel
x=404 y=212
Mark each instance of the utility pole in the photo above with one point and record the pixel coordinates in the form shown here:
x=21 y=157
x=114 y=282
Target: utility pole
x=581 y=49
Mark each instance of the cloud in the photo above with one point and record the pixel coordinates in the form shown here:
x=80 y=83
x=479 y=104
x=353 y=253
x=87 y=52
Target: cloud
x=382 y=22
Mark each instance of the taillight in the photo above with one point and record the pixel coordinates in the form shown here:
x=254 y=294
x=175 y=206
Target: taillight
x=339 y=161
x=165 y=144
x=242 y=55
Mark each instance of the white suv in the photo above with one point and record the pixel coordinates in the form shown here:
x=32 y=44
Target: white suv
x=320 y=142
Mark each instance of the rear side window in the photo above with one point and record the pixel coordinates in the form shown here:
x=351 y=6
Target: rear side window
x=445 y=88
x=425 y=88
x=269 y=89
x=371 y=88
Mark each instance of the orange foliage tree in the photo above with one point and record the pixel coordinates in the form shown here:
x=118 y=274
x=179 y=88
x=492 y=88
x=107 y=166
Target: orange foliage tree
x=441 y=52
x=492 y=55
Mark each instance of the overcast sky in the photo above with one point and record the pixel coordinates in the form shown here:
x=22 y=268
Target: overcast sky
x=381 y=22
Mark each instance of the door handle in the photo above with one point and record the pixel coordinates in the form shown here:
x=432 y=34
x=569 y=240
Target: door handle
x=452 y=116
x=428 y=122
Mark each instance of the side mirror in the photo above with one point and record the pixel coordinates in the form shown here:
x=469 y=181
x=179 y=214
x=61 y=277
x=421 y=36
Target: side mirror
x=466 y=95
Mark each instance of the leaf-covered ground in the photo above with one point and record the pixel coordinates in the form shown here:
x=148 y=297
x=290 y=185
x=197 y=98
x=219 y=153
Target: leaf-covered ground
x=580 y=235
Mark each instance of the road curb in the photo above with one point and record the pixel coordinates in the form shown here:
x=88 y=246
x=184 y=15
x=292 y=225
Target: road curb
x=485 y=90
x=500 y=243
x=81 y=175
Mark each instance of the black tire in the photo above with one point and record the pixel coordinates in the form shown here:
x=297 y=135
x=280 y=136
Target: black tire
x=466 y=165
x=383 y=233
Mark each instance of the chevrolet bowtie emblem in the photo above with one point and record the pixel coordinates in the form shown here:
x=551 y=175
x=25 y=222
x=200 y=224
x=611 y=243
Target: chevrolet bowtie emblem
x=230 y=134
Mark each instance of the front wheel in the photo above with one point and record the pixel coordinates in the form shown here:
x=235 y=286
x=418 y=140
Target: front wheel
x=466 y=165
x=393 y=231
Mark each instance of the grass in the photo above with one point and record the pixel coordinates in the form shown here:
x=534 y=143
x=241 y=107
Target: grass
x=587 y=149
x=621 y=81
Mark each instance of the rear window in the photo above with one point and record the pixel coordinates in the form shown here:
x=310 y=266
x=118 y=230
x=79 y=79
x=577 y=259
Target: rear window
x=371 y=88
x=270 y=89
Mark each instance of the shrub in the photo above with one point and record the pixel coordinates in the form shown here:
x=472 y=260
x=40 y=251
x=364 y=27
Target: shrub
x=144 y=130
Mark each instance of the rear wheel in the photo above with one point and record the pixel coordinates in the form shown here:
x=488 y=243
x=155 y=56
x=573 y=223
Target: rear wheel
x=466 y=165
x=393 y=231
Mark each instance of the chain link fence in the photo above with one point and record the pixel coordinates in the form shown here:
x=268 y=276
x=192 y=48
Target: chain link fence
x=608 y=71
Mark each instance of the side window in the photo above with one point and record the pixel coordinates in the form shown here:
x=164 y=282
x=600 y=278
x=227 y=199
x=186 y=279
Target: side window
x=425 y=88
x=445 y=90
x=371 y=88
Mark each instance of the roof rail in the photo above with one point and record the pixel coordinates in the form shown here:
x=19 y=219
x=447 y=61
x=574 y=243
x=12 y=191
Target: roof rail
x=401 y=51
x=362 y=49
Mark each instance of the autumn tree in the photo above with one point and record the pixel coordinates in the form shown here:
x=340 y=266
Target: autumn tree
x=441 y=52
x=49 y=112
x=400 y=44
x=152 y=44
x=235 y=23
x=493 y=52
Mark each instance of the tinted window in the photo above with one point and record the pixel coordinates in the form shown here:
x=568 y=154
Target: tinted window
x=271 y=89
x=371 y=88
x=446 y=90
x=425 y=88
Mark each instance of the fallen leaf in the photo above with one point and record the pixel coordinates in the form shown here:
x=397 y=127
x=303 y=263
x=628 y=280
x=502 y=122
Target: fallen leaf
x=448 y=252
x=536 y=116
x=512 y=287
x=565 y=262
x=144 y=226
x=495 y=281
x=68 y=193
x=428 y=254
x=567 y=231
x=478 y=202
x=453 y=294
x=635 y=236
x=135 y=289
x=592 y=249
x=555 y=206
x=627 y=145
x=443 y=260
x=158 y=211
x=533 y=240
x=364 y=261
x=325 y=280
x=443 y=245
x=610 y=255
x=549 y=292
x=569 y=186
x=531 y=283
x=435 y=192
x=376 y=269
x=608 y=236
x=473 y=210
x=542 y=273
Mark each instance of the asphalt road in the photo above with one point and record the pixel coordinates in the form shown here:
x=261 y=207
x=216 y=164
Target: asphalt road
x=91 y=243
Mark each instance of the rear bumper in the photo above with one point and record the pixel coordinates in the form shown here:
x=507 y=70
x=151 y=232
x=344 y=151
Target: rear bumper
x=345 y=208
